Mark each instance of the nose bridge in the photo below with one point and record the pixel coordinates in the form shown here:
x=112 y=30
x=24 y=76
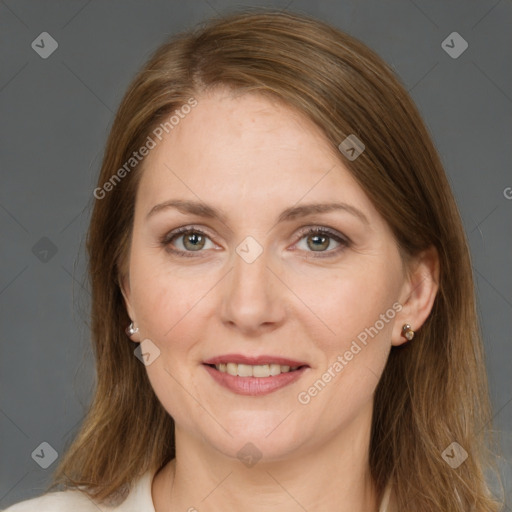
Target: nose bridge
x=251 y=298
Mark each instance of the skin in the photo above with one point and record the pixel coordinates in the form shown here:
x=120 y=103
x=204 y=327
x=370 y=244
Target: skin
x=252 y=158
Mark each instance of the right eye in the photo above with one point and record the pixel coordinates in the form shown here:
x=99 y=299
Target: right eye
x=189 y=240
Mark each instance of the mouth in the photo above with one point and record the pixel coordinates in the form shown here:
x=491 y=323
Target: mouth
x=254 y=375
x=258 y=371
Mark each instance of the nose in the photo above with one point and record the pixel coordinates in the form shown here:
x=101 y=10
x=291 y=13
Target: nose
x=253 y=297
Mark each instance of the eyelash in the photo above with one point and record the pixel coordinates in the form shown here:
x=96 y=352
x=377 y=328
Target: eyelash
x=343 y=241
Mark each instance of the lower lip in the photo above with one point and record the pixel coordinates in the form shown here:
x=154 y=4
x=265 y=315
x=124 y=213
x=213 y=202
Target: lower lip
x=254 y=386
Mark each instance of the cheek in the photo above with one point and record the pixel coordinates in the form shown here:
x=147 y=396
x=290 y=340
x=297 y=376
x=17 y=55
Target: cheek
x=160 y=297
x=356 y=311
x=348 y=301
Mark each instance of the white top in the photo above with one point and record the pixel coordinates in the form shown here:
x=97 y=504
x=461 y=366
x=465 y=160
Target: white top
x=138 y=500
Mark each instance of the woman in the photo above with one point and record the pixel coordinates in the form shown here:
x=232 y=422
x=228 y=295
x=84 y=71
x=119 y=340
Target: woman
x=275 y=232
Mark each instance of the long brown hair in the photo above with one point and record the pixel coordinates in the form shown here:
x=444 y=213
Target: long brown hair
x=433 y=391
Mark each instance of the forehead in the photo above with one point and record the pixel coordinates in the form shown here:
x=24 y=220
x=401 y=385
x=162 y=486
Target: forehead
x=246 y=149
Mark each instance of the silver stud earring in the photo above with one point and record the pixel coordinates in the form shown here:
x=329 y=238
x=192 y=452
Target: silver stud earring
x=131 y=329
x=408 y=332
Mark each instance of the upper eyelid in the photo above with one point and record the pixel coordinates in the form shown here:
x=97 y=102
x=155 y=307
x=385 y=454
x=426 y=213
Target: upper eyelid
x=329 y=231
x=183 y=230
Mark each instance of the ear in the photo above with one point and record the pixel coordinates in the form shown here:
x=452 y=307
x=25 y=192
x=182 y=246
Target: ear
x=124 y=285
x=418 y=293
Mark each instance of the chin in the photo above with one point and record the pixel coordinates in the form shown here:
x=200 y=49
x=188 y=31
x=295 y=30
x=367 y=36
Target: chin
x=252 y=450
x=264 y=441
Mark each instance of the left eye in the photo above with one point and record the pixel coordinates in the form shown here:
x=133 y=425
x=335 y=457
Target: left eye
x=319 y=240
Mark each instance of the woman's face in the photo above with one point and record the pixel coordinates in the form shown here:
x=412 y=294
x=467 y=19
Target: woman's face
x=248 y=283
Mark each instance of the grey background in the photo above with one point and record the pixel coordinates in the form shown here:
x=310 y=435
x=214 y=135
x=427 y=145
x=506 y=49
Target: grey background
x=55 y=116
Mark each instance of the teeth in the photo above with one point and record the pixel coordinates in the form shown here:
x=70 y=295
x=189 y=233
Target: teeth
x=260 y=370
x=275 y=369
x=231 y=368
x=244 y=370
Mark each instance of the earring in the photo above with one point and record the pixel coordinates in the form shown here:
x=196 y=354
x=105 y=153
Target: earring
x=408 y=332
x=131 y=330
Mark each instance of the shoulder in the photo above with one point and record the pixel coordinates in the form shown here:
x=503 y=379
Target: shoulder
x=139 y=499
x=388 y=501
x=56 y=502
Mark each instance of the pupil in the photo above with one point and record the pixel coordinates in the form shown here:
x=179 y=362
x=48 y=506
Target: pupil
x=319 y=238
x=195 y=240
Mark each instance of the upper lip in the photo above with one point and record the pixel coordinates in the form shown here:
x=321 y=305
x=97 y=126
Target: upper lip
x=254 y=360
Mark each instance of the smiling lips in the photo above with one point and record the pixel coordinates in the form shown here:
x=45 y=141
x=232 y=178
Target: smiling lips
x=254 y=375
x=260 y=370
x=260 y=366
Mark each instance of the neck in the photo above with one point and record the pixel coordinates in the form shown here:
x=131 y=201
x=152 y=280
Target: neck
x=332 y=476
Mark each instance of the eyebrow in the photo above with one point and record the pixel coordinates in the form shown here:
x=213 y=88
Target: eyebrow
x=294 y=212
